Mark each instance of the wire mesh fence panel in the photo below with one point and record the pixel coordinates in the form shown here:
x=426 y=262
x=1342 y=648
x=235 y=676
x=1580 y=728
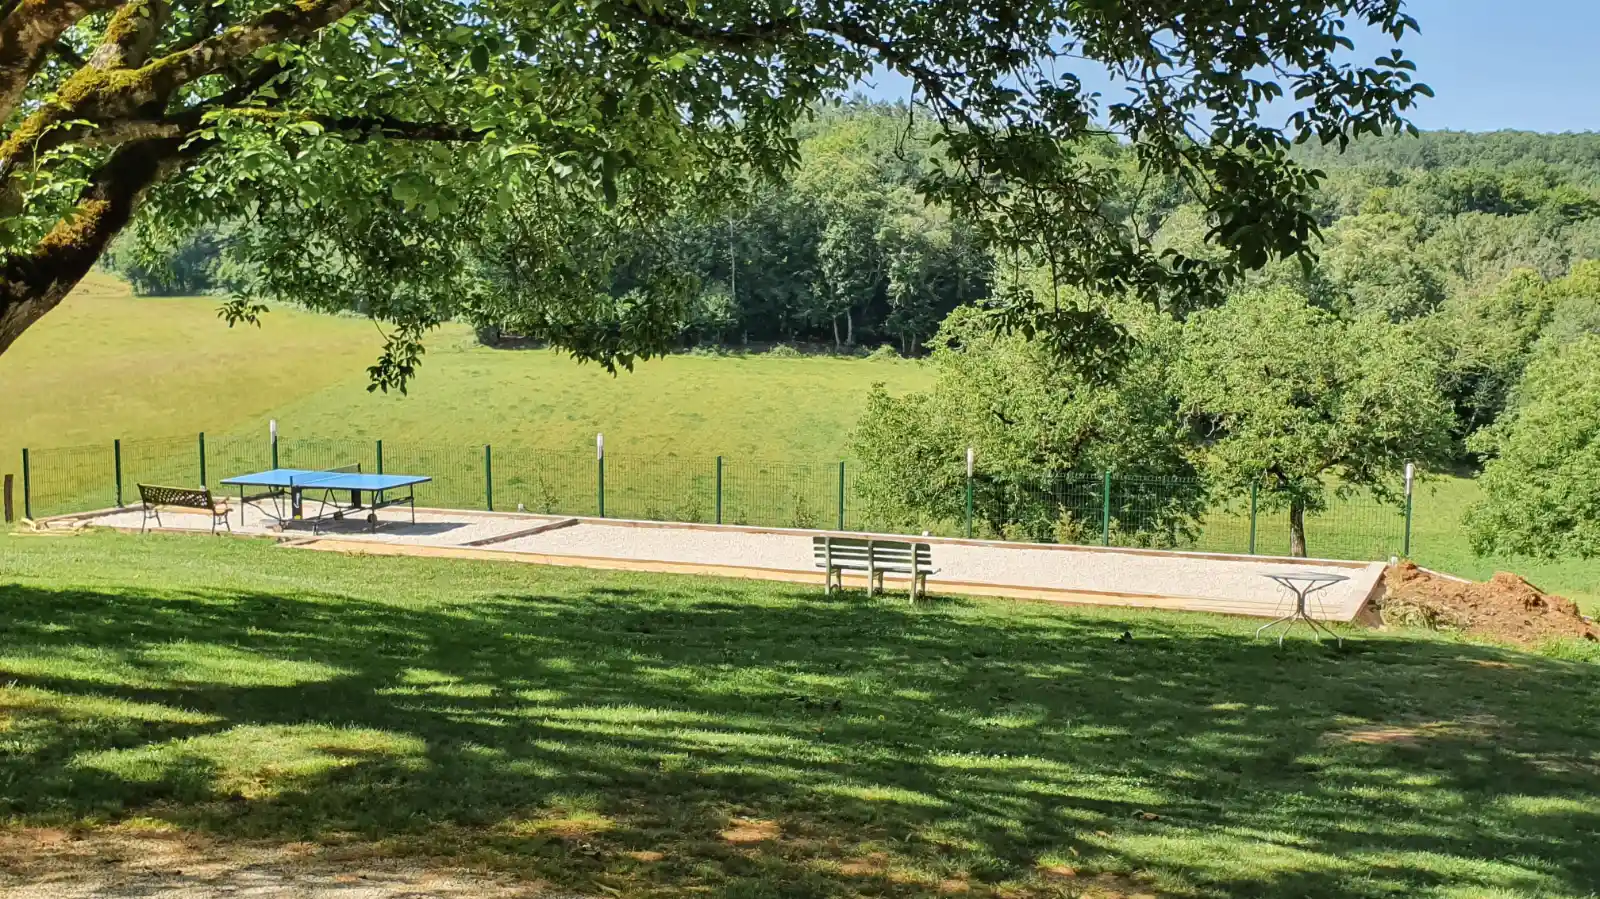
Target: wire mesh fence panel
x=71 y=479
x=1225 y=527
x=457 y=472
x=1066 y=507
x=231 y=455
x=545 y=482
x=861 y=515
x=1357 y=527
x=1155 y=511
x=326 y=453
x=167 y=462
x=780 y=494
x=661 y=489
x=1059 y=507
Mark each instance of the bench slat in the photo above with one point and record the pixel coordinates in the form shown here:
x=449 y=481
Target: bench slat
x=182 y=497
x=856 y=553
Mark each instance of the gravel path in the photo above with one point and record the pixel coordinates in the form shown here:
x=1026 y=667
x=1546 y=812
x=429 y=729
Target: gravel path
x=1204 y=583
x=1228 y=583
x=432 y=528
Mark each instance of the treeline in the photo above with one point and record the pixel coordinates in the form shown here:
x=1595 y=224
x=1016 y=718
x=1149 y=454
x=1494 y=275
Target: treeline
x=1452 y=320
x=845 y=253
x=1475 y=241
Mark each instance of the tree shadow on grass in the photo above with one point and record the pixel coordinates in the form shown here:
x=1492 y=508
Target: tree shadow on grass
x=751 y=740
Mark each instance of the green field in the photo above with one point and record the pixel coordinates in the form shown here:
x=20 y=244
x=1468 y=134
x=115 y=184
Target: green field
x=107 y=365
x=657 y=736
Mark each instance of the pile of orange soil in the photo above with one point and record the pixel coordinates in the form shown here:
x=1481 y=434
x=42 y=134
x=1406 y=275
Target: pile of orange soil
x=1506 y=608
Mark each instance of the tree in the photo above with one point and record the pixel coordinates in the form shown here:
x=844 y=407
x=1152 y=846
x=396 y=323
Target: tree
x=1541 y=485
x=374 y=145
x=1043 y=435
x=1289 y=397
x=1371 y=263
x=1485 y=339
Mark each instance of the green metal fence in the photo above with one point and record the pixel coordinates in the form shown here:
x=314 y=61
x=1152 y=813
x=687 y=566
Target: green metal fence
x=1105 y=508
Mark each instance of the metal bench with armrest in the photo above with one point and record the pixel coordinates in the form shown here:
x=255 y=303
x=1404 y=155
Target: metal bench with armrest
x=155 y=497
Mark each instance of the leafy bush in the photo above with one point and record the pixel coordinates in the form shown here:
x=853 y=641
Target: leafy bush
x=1541 y=485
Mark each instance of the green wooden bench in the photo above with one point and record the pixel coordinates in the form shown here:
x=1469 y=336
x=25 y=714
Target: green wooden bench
x=154 y=497
x=877 y=557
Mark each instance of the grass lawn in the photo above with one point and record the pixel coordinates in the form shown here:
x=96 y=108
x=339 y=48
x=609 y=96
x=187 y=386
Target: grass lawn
x=107 y=364
x=635 y=735
x=1439 y=541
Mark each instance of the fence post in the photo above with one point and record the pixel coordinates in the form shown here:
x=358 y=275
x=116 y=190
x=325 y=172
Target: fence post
x=1105 y=512
x=202 y=458
x=10 y=512
x=380 y=457
x=1411 y=471
x=969 y=493
x=27 y=488
x=1253 y=488
x=116 y=464
x=272 y=429
x=719 y=490
x=488 y=478
x=600 y=471
x=841 y=494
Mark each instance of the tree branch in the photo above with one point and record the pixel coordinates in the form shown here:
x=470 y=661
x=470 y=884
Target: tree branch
x=33 y=283
x=28 y=33
x=100 y=99
x=747 y=37
x=210 y=55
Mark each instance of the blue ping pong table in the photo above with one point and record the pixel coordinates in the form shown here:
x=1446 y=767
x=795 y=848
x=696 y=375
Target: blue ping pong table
x=287 y=488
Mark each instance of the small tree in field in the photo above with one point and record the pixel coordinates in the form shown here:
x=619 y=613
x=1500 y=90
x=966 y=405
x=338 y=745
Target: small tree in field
x=1043 y=433
x=1541 y=485
x=1302 y=404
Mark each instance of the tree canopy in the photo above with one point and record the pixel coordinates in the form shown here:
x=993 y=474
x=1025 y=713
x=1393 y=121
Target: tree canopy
x=1300 y=403
x=396 y=157
x=1042 y=435
x=1542 y=481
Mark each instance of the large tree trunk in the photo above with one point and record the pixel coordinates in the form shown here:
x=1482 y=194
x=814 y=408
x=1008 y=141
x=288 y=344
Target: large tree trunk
x=33 y=284
x=836 y=332
x=849 y=328
x=1297 y=528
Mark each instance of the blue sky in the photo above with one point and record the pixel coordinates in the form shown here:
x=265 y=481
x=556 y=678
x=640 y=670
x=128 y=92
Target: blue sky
x=1526 y=64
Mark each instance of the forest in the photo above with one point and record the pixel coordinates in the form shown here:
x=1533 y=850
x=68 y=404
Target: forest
x=1449 y=265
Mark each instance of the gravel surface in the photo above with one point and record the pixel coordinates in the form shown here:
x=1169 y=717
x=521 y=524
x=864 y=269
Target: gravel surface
x=432 y=528
x=1228 y=582
x=1237 y=584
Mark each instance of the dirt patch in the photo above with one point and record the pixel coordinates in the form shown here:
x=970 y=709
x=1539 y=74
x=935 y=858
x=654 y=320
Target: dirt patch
x=749 y=830
x=1477 y=727
x=866 y=866
x=55 y=864
x=1099 y=886
x=646 y=855
x=1506 y=608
